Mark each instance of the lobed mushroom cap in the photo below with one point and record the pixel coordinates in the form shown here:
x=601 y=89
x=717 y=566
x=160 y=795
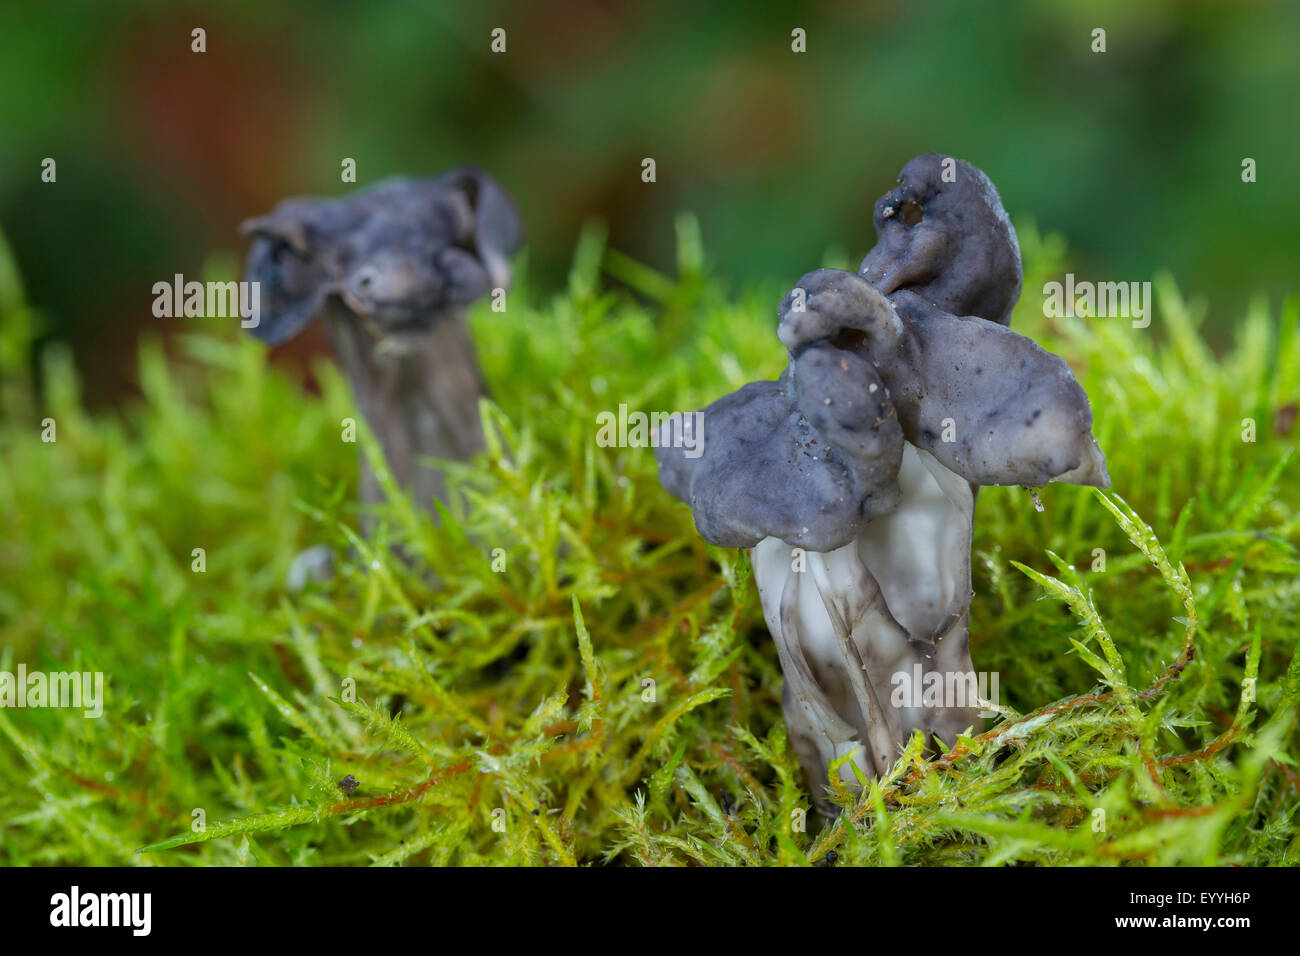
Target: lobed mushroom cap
x=950 y=242
x=772 y=462
x=815 y=455
x=836 y=306
x=989 y=403
x=912 y=348
x=399 y=252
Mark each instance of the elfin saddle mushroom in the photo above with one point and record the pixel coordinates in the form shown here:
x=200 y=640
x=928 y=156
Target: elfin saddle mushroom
x=391 y=269
x=852 y=477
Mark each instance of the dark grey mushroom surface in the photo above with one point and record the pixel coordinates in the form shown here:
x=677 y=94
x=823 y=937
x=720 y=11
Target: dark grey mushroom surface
x=990 y=404
x=814 y=455
x=950 y=242
x=770 y=468
x=399 y=253
x=390 y=269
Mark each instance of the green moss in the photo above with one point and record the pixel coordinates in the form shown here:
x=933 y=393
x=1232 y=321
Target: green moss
x=1160 y=690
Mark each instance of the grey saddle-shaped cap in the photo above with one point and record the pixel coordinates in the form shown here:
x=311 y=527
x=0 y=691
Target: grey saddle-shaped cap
x=943 y=234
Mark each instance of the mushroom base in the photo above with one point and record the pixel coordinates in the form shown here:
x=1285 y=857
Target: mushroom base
x=852 y=625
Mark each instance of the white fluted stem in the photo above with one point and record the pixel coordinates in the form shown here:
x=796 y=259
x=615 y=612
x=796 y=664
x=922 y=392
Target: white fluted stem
x=846 y=622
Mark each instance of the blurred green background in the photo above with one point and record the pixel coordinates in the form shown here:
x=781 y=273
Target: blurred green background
x=1133 y=155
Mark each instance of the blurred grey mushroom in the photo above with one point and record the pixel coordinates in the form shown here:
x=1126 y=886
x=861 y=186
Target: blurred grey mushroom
x=852 y=477
x=391 y=270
